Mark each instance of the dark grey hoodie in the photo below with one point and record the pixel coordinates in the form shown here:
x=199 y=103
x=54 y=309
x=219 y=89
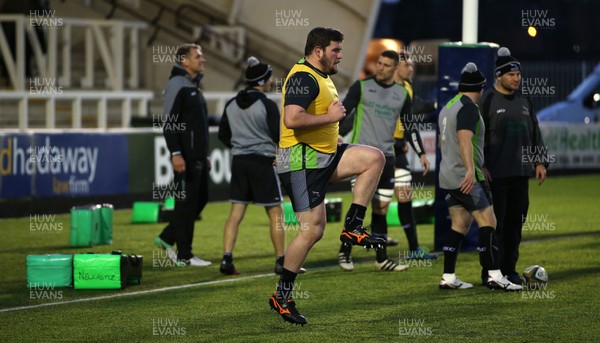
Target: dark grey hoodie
x=250 y=124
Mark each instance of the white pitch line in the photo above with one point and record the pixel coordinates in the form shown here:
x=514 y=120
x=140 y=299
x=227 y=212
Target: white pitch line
x=157 y=290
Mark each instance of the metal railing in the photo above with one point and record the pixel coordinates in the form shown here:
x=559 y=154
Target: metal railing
x=112 y=51
x=127 y=99
x=115 y=42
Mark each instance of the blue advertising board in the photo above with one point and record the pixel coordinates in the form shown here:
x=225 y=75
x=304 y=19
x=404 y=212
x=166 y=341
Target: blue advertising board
x=63 y=164
x=15 y=182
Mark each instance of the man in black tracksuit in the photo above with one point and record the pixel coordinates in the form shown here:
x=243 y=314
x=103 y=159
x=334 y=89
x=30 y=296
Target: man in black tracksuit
x=513 y=148
x=186 y=133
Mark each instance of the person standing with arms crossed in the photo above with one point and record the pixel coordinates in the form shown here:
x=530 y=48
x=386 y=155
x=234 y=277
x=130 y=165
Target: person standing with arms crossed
x=186 y=134
x=309 y=158
x=461 y=176
x=375 y=105
x=250 y=128
x=513 y=148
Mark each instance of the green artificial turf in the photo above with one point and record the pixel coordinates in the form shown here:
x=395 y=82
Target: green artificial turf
x=365 y=305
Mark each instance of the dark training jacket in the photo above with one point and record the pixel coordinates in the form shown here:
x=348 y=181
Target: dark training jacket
x=185 y=112
x=513 y=142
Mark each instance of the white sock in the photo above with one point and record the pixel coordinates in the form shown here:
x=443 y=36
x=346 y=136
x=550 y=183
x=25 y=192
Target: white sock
x=449 y=277
x=495 y=274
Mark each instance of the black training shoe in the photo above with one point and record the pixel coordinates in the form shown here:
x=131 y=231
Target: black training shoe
x=228 y=268
x=392 y=242
x=360 y=237
x=287 y=310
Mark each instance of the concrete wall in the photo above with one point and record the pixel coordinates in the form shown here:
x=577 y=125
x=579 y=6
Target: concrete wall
x=276 y=33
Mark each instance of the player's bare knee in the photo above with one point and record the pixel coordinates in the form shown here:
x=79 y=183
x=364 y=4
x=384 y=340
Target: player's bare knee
x=376 y=159
x=311 y=235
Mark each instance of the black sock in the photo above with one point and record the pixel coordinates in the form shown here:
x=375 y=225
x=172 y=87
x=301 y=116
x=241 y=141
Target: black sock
x=450 y=248
x=285 y=286
x=379 y=228
x=228 y=257
x=488 y=248
x=381 y=254
x=405 y=213
x=346 y=248
x=355 y=217
x=279 y=260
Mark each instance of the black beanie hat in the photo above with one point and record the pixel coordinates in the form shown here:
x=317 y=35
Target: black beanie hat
x=506 y=63
x=471 y=79
x=257 y=73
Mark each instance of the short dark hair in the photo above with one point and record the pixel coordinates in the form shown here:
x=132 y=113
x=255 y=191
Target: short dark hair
x=184 y=50
x=391 y=54
x=321 y=37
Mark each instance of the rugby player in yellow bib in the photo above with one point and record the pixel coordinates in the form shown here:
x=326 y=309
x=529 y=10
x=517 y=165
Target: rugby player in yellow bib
x=310 y=157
